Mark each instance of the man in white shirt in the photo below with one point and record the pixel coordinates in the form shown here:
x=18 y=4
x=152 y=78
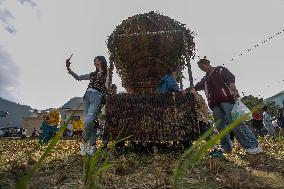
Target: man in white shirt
x=267 y=122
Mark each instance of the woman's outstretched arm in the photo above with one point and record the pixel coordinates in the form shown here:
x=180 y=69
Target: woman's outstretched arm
x=79 y=77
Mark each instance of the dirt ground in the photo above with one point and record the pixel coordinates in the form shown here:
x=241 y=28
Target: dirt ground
x=64 y=167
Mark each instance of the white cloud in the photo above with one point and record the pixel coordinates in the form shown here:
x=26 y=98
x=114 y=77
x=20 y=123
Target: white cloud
x=5 y=17
x=9 y=76
x=30 y=2
x=11 y=29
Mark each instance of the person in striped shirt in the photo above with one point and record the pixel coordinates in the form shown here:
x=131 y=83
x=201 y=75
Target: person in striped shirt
x=92 y=101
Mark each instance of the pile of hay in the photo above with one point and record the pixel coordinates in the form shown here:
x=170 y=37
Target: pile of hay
x=144 y=46
x=152 y=117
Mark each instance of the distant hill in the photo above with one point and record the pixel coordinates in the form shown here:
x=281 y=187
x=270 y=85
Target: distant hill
x=16 y=112
x=74 y=103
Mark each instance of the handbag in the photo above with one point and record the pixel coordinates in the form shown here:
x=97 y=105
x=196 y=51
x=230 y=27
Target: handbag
x=239 y=109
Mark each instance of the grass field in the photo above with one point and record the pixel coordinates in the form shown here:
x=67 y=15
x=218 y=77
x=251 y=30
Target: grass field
x=64 y=167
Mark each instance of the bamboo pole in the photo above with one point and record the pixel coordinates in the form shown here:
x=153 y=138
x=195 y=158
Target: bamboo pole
x=187 y=59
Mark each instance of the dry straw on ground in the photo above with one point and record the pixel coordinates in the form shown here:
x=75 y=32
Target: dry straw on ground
x=64 y=168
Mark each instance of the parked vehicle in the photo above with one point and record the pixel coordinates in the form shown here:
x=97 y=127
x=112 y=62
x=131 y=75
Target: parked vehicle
x=13 y=132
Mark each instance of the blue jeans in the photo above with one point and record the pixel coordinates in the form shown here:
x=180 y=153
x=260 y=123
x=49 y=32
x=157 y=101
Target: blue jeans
x=242 y=132
x=92 y=105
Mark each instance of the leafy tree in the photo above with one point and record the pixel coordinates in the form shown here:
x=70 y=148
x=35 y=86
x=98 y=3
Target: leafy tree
x=273 y=108
x=255 y=103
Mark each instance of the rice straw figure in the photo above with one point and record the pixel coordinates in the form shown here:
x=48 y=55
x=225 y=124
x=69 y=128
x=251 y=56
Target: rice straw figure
x=78 y=126
x=48 y=131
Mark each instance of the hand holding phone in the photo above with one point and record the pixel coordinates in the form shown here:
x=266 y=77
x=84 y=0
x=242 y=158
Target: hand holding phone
x=68 y=63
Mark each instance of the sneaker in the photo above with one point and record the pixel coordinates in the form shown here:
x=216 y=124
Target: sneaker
x=256 y=150
x=83 y=149
x=92 y=150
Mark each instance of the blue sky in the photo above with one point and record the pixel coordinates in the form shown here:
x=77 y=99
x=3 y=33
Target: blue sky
x=36 y=36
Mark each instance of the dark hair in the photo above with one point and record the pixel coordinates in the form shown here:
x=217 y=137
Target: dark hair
x=103 y=62
x=171 y=70
x=264 y=108
x=113 y=86
x=203 y=61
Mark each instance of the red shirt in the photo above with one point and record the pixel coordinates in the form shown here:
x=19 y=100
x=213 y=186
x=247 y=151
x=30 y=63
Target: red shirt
x=216 y=86
x=257 y=116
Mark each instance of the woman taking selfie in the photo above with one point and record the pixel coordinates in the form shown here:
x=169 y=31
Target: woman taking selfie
x=92 y=101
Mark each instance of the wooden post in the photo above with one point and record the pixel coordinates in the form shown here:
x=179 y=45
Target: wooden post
x=187 y=59
x=189 y=73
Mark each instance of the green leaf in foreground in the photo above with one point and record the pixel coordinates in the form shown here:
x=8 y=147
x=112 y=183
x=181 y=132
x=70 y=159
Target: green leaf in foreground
x=196 y=153
x=23 y=183
x=94 y=169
